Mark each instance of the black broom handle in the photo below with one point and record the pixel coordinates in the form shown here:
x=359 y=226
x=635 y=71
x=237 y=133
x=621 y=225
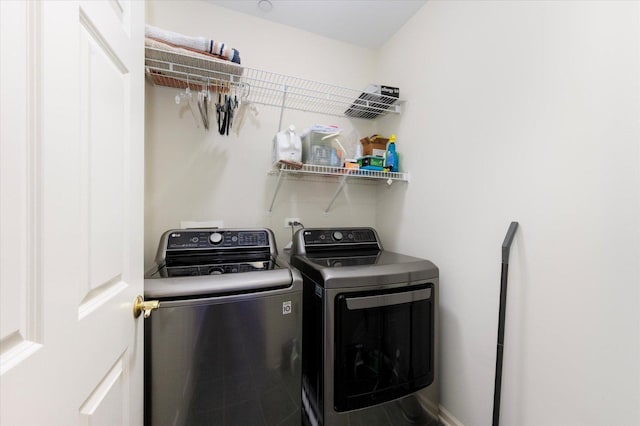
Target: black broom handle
x=506 y=248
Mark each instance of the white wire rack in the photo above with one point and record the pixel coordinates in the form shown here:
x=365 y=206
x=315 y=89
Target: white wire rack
x=312 y=169
x=341 y=172
x=172 y=69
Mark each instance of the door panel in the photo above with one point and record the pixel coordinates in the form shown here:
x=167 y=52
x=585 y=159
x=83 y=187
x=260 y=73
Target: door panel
x=107 y=404
x=21 y=310
x=72 y=194
x=103 y=90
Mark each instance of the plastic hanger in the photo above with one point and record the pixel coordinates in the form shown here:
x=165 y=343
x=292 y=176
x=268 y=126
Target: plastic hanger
x=203 y=101
x=188 y=97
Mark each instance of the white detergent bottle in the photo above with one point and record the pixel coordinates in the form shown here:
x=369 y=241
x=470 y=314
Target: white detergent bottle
x=358 y=151
x=287 y=146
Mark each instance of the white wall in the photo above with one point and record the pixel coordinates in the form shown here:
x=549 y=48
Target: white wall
x=525 y=111
x=194 y=175
x=522 y=111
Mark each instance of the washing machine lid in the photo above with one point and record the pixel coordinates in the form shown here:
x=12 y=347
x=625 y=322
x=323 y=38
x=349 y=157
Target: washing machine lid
x=364 y=269
x=207 y=262
x=198 y=286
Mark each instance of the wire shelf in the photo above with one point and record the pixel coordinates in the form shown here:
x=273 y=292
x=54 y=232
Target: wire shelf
x=311 y=169
x=324 y=171
x=172 y=69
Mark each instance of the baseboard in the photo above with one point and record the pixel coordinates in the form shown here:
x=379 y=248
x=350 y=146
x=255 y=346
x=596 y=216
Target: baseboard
x=447 y=418
x=438 y=411
x=428 y=405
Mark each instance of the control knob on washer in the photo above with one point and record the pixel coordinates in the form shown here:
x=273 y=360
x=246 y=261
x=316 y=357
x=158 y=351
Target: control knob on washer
x=337 y=235
x=215 y=238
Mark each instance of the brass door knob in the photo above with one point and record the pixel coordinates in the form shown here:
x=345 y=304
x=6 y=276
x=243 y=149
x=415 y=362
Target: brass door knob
x=140 y=306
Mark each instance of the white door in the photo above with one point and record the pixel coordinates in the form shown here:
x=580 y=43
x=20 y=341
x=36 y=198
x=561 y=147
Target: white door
x=71 y=212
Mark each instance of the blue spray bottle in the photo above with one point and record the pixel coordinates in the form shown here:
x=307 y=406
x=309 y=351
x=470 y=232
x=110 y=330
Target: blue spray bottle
x=391 y=157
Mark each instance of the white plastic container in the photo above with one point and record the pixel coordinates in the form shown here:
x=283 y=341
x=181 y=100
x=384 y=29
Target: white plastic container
x=287 y=146
x=322 y=146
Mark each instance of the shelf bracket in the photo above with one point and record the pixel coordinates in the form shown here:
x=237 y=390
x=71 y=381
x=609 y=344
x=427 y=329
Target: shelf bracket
x=343 y=181
x=277 y=188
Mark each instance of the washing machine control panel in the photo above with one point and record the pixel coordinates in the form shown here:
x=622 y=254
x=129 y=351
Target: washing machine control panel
x=338 y=236
x=215 y=251
x=206 y=239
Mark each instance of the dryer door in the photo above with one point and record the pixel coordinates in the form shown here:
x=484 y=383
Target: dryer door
x=384 y=345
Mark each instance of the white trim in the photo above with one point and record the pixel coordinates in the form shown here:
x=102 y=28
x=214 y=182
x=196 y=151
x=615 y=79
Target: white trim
x=428 y=405
x=447 y=418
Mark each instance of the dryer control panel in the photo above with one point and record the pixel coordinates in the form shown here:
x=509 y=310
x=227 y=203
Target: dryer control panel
x=339 y=236
x=343 y=239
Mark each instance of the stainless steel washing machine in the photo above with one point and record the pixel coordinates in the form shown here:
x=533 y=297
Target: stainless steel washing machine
x=370 y=330
x=224 y=347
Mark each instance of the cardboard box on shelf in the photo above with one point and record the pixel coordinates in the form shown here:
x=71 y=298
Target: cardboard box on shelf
x=374 y=145
x=351 y=164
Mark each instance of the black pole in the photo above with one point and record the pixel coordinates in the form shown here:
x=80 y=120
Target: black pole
x=506 y=248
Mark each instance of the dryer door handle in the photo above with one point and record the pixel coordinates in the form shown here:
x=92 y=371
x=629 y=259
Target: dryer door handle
x=365 y=302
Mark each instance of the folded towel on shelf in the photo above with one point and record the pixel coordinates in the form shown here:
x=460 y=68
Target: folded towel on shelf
x=200 y=44
x=161 y=55
x=161 y=45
